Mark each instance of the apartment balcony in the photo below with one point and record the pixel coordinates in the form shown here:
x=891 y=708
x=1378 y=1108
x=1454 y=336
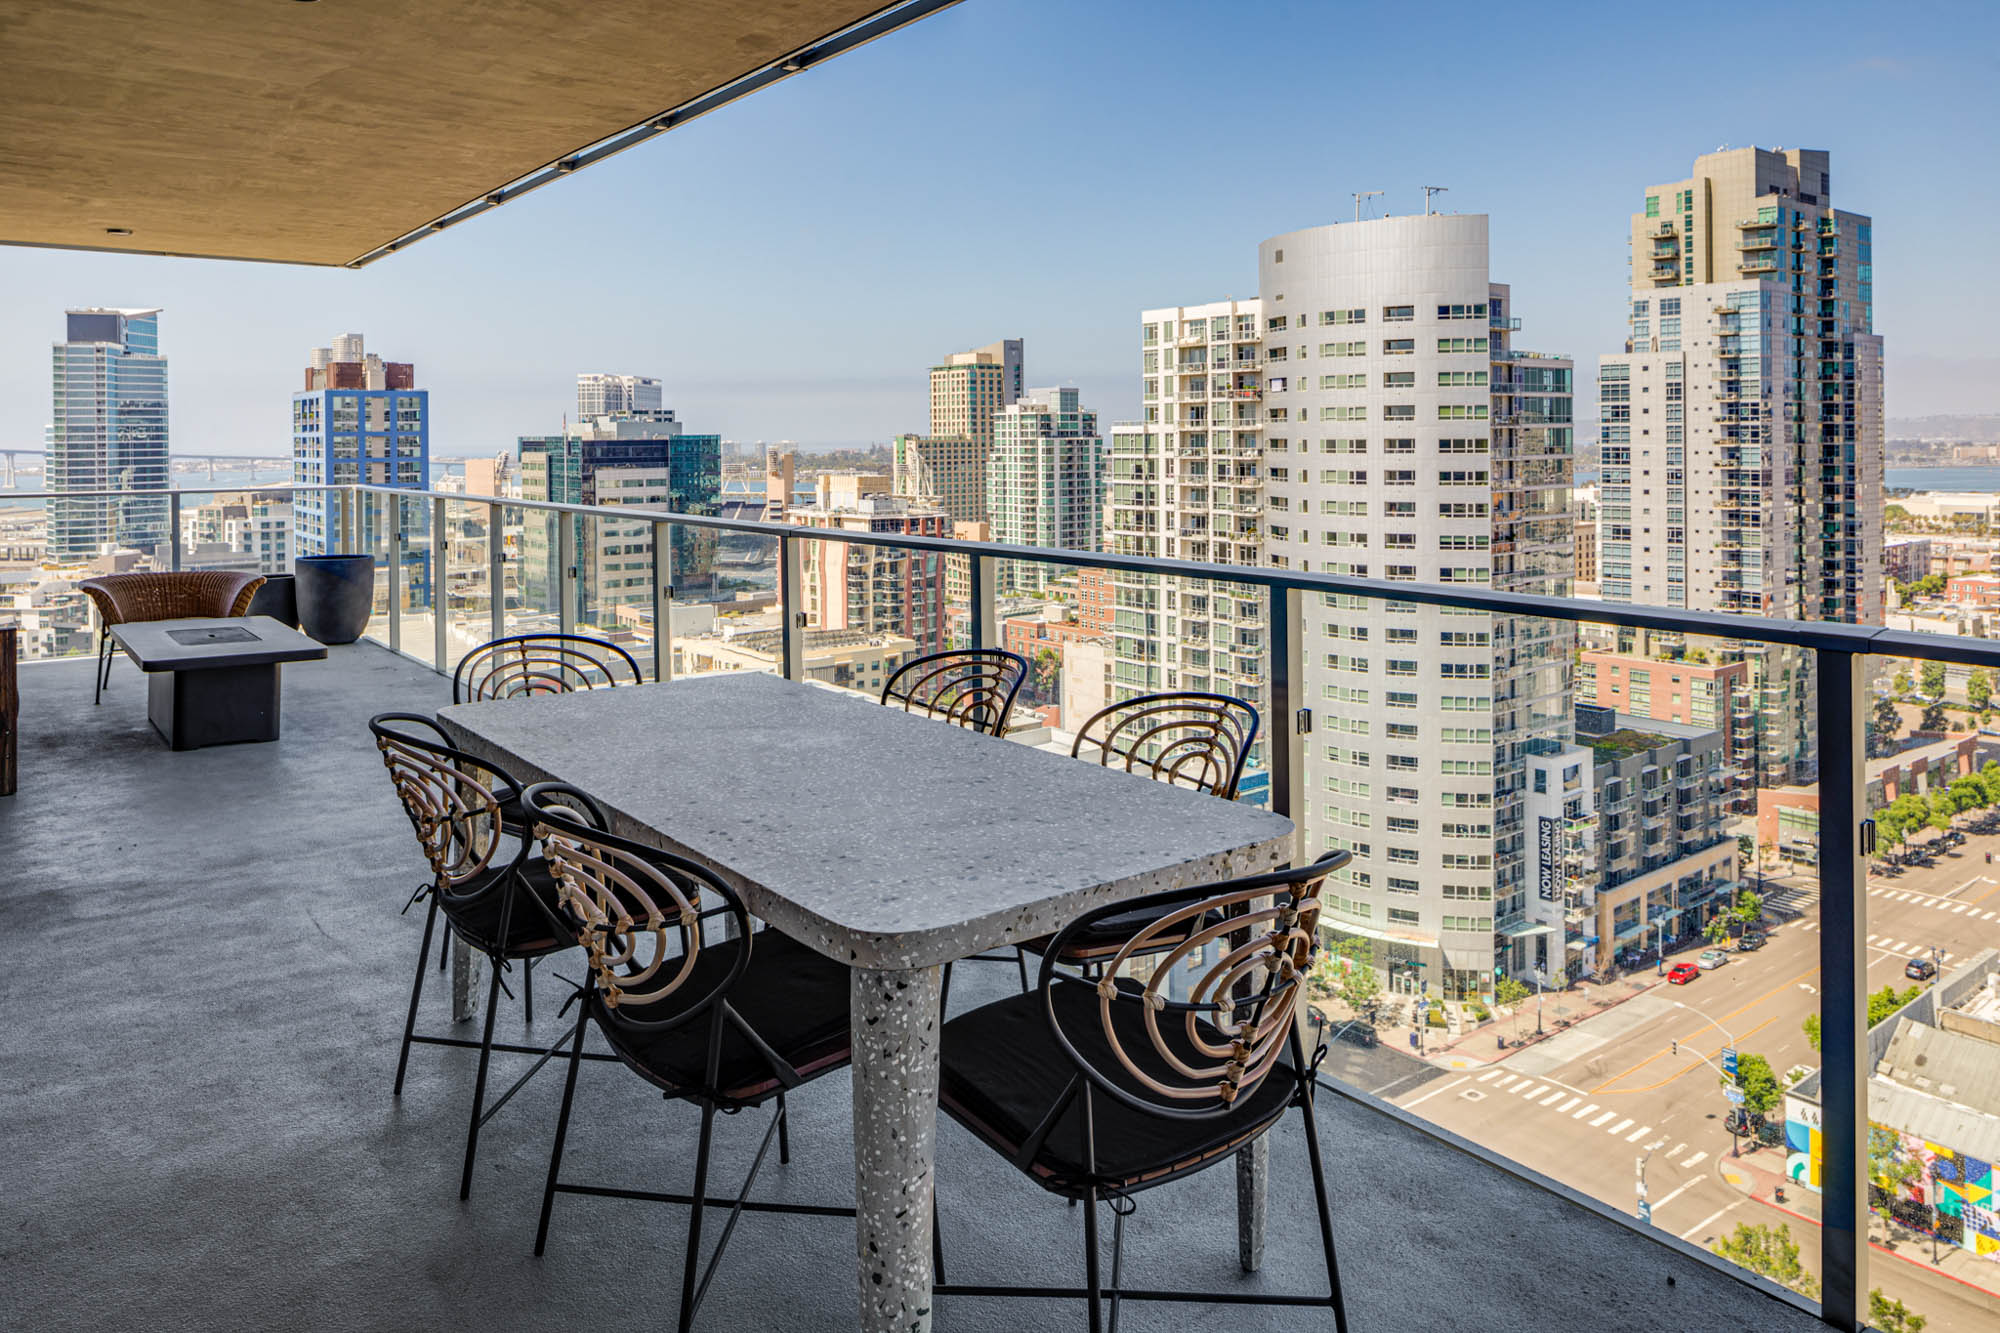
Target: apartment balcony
x=253 y=1035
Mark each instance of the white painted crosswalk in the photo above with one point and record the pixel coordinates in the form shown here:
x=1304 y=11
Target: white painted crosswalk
x=1694 y=1161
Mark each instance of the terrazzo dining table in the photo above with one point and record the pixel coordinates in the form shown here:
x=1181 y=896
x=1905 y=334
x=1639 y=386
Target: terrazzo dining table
x=893 y=843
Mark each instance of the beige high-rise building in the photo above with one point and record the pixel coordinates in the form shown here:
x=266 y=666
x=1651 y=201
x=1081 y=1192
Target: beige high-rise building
x=1741 y=429
x=969 y=388
x=949 y=469
x=1187 y=482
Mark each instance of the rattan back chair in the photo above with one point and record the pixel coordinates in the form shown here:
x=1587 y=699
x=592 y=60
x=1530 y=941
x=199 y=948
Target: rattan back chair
x=486 y=882
x=122 y=599
x=1189 y=738
x=967 y=687
x=540 y=664
x=1106 y=1086
x=690 y=996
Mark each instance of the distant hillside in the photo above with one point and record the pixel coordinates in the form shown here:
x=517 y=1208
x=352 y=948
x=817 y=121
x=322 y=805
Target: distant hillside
x=1979 y=429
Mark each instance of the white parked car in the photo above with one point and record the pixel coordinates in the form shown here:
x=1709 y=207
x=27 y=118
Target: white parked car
x=1711 y=959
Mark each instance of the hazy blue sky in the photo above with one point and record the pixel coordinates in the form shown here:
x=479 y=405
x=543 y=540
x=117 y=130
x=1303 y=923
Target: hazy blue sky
x=1025 y=168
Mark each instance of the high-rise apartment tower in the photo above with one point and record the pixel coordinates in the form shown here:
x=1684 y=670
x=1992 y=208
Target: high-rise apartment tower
x=357 y=419
x=970 y=388
x=1741 y=428
x=1045 y=481
x=1407 y=438
x=108 y=431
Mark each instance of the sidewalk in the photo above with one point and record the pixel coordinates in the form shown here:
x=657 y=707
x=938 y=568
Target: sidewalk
x=1759 y=1173
x=1478 y=1045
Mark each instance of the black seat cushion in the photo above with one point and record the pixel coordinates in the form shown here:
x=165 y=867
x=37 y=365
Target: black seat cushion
x=529 y=929
x=1004 y=1072
x=793 y=997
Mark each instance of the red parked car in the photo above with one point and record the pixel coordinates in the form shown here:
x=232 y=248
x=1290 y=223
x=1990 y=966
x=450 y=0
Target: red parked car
x=1680 y=974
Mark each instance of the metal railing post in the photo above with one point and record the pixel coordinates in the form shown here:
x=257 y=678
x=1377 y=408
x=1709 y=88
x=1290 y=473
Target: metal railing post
x=791 y=606
x=985 y=619
x=496 y=570
x=663 y=600
x=566 y=525
x=174 y=530
x=1843 y=961
x=1290 y=719
x=440 y=599
x=396 y=543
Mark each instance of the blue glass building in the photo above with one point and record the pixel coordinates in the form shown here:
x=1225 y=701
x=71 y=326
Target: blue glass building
x=108 y=431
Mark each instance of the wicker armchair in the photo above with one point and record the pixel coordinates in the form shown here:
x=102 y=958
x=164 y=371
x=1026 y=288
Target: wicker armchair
x=124 y=598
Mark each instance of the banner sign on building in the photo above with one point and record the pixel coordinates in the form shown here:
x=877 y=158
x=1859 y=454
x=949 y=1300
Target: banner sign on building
x=1548 y=837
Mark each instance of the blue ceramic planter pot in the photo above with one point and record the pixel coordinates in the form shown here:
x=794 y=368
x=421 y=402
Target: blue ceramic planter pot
x=336 y=595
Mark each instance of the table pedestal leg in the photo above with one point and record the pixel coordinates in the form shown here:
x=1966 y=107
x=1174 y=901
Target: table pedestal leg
x=895 y=1018
x=1253 y=1197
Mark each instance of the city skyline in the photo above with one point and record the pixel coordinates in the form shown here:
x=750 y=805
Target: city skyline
x=864 y=299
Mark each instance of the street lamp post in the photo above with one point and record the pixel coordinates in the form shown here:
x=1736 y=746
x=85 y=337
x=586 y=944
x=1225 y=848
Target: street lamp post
x=1735 y=1140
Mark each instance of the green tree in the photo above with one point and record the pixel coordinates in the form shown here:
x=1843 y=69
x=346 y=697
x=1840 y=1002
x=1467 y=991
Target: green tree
x=1770 y=1252
x=1748 y=906
x=1888 y=1316
x=1900 y=685
x=1979 y=688
x=1761 y=1090
x=1361 y=989
x=1045 y=674
x=1934 y=718
x=1883 y=724
x=1931 y=674
x=1888 y=1000
x=1886 y=1162
x=1811 y=1026
x=1510 y=991
x=1717 y=929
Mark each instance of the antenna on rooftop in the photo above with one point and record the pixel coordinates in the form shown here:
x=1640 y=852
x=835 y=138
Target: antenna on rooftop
x=1430 y=190
x=1359 y=195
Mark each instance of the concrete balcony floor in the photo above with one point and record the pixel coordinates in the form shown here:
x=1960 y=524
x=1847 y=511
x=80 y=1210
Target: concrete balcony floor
x=204 y=973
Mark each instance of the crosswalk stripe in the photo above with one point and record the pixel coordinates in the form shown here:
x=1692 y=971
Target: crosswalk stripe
x=1695 y=1160
x=1871 y=940
x=1578 y=1115
x=1679 y=1148
x=1621 y=1126
x=1638 y=1134
x=1553 y=1098
x=1874 y=893
x=1601 y=1119
x=1986 y=916
x=1571 y=1102
x=1900 y=897
x=1505 y=1081
x=1492 y=1074
x=1961 y=908
x=1527 y=1089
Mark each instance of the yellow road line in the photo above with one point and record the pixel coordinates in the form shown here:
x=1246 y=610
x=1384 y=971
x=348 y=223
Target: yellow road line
x=1706 y=1023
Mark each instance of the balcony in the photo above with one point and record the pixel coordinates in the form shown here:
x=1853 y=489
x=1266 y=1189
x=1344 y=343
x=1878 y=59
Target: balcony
x=274 y=963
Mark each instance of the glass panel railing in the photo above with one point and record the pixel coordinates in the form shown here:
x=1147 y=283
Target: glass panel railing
x=614 y=583
x=466 y=575
x=246 y=530
x=726 y=615
x=1931 y=945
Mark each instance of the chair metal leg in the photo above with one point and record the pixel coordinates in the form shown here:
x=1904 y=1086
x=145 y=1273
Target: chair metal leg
x=784 y=1133
x=700 y=1193
x=1117 y=1255
x=1090 y=1260
x=479 y=1084
x=1325 y=1221
x=1021 y=961
x=416 y=992
x=937 y=1243
x=562 y=1136
x=103 y=676
x=528 y=989
x=444 y=950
